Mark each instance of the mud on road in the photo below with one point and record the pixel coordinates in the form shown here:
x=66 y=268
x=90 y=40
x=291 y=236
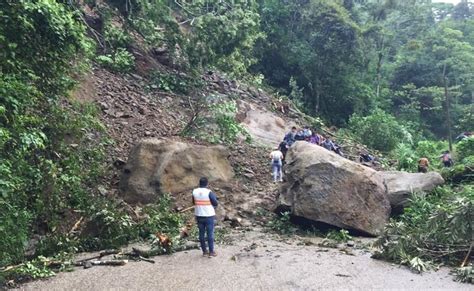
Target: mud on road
x=255 y=261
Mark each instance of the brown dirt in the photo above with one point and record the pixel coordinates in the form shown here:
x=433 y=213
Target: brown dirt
x=256 y=261
x=130 y=113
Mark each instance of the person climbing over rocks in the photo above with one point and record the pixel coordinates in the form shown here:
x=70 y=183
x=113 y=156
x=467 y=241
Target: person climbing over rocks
x=338 y=150
x=283 y=148
x=290 y=137
x=205 y=202
x=307 y=133
x=446 y=159
x=365 y=157
x=276 y=157
x=423 y=164
x=315 y=138
x=328 y=144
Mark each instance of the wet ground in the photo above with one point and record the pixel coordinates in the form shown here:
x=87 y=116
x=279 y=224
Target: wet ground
x=255 y=261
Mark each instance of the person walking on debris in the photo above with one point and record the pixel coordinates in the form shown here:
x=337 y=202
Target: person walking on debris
x=446 y=159
x=283 y=148
x=423 y=165
x=205 y=202
x=277 y=157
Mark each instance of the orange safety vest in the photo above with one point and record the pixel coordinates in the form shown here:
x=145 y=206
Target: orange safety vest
x=202 y=203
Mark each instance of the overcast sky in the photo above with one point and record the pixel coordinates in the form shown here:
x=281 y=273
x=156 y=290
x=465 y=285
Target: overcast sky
x=448 y=1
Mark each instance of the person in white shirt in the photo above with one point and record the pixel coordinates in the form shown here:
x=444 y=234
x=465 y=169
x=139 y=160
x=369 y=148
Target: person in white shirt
x=277 y=157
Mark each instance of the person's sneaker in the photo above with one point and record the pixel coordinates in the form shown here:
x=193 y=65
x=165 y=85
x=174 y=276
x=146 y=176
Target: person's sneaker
x=212 y=254
x=205 y=254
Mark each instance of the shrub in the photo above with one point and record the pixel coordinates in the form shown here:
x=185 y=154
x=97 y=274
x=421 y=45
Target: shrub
x=465 y=148
x=120 y=61
x=379 y=130
x=339 y=236
x=228 y=127
x=161 y=218
x=281 y=223
x=436 y=228
x=174 y=82
x=408 y=156
x=116 y=37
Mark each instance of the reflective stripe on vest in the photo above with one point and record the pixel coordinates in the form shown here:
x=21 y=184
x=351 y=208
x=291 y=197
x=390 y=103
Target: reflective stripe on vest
x=202 y=203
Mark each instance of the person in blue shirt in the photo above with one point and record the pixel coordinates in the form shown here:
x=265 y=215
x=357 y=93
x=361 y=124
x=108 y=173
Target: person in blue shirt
x=290 y=137
x=205 y=202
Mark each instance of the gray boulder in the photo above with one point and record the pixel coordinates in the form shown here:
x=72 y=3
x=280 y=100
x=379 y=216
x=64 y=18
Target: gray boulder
x=324 y=187
x=401 y=185
x=155 y=167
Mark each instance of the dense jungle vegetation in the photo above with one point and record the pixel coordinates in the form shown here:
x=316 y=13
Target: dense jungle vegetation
x=394 y=75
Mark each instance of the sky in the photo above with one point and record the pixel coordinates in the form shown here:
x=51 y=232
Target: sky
x=447 y=1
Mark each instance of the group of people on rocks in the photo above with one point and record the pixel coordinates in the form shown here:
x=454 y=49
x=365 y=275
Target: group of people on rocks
x=306 y=134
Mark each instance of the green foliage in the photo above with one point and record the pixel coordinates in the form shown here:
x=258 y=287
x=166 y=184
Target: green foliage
x=379 y=130
x=119 y=61
x=223 y=35
x=465 y=149
x=434 y=229
x=228 y=127
x=44 y=29
x=113 y=227
x=281 y=223
x=408 y=155
x=51 y=149
x=162 y=219
x=116 y=37
x=339 y=236
x=35 y=269
x=318 y=44
x=175 y=82
x=465 y=274
x=14 y=230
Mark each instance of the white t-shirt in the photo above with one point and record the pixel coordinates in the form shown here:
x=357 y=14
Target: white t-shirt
x=276 y=156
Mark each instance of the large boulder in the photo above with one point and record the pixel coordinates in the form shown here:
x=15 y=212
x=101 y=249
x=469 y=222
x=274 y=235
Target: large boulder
x=158 y=166
x=324 y=187
x=264 y=126
x=401 y=185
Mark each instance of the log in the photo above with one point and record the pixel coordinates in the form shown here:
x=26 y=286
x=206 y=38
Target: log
x=110 y=263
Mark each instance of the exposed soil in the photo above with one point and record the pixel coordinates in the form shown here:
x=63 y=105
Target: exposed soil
x=256 y=261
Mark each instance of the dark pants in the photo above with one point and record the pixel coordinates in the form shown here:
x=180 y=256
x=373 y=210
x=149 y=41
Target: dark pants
x=422 y=169
x=206 y=226
x=448 y=164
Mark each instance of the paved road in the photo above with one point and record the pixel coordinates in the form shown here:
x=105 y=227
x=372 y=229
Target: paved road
x=256 y=261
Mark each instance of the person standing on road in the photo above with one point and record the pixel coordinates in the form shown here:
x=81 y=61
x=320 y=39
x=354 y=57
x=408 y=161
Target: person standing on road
x=205 y=202
x=277 y=157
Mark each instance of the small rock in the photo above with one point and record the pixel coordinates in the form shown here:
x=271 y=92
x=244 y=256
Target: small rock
x=350 y=243
x=248 y=175
x=102 y=190
x=136 y=76
x=147 y=133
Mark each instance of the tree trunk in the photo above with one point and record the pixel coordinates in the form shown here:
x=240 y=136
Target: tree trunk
x=379 y=69
x=448 y=105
